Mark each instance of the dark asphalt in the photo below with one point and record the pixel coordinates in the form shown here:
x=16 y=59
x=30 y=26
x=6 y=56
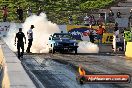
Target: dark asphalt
x=51 y=74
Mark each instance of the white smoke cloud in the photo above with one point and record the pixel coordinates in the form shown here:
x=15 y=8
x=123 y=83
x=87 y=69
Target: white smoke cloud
x=43 y=28
x=10 y=38
x=87 y=47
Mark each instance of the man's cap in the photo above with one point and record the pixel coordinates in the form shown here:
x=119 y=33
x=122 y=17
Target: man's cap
x=100 y=25
x=20 y=29
x=32 y=26
x=90 y=26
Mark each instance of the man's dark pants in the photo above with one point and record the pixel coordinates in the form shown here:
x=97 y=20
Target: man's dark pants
x=4 y=18
x=99 y=37
x=91 y=38
x=29 y=45
x=20 y=45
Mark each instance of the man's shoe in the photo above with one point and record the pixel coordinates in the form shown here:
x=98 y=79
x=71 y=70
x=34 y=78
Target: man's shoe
x=27 y=51
x=21 y=56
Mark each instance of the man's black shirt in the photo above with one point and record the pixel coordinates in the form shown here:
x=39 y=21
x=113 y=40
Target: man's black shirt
x=115 y=28
x=19 y=12
x=20 y=36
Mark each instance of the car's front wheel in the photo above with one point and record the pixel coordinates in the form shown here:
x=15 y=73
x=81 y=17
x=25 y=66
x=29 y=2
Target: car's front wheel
x=53 y=51
x=50 y=51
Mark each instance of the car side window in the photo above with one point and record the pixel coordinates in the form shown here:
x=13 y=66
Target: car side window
x=56 y=37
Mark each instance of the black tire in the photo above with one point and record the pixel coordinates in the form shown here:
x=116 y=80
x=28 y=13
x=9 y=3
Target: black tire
x=53 y=51
x=76 y=51
x=50 y=51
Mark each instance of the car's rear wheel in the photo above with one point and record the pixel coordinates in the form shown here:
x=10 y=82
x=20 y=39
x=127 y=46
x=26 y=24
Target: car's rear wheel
x=76 y=51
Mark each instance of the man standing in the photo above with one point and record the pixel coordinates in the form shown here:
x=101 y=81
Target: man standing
x=86 y=20
x=30 y=38
x=20 y=14
x=20 y=44
x=91 y=36
x=29 y=11
x=39 y=11
x=70 y=19
x=118 y=14
x=100 y=32
x=5 y=13
x=111 y=16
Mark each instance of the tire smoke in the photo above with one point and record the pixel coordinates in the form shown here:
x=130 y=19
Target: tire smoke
x=43 y=29
x=87 y=47
x=10 y=37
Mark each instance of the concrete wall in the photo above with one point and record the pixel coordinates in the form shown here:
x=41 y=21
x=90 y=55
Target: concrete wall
x=14 y=75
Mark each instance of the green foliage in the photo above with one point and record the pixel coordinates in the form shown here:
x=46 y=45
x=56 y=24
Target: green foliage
x=95 y=4
x=57 y=10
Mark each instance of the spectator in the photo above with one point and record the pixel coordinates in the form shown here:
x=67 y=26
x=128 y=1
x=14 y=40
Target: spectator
x=86 y=20
x=116 y=27
x=115 y=39
x=100 y=32
x=130 y=14
x=78 y=20
x=111 y=13
x=70 y=19
x=111 y=16
x=93 y=20
x=91 y=35
x=120 y=42
x=89 y=20
x=29 y=11
x=100 y=20
x=39 y=11
x=118 y=14
x=102 y=14
x=5 y=13
x=20 y=14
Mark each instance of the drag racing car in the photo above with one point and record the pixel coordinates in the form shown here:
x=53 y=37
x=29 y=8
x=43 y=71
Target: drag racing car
x=62 y=42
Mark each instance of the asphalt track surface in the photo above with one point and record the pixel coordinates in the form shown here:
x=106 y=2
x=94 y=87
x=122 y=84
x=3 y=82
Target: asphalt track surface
x=60 y=70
